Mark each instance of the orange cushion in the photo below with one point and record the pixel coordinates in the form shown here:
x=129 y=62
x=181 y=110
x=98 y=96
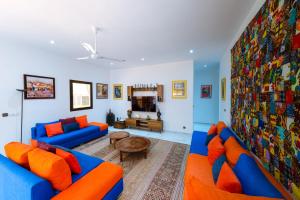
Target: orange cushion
x=18 y=152
x=50 y=167
x=213 y=129
x=54 y=129
x=228 y=181
x=233 y=150
x=197 y=166
x=34 y=143
x=101 y=125
x=95 y=185
x=70 y=159
x=82 y=121
x=220 y=126
x=215 y=149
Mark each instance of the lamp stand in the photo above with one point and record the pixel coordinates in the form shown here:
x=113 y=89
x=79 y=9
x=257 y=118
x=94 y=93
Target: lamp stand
x=22 y=101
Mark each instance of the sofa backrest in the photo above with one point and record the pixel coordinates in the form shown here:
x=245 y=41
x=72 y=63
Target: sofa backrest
x=17 y=183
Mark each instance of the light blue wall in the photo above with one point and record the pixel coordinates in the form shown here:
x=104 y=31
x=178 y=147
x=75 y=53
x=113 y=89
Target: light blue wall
x=206 y=110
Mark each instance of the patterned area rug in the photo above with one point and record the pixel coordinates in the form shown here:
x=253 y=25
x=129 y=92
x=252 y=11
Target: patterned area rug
x=159 y=177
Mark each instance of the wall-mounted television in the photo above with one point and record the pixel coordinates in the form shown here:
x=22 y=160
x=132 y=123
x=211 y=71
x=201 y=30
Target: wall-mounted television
x=144 y=103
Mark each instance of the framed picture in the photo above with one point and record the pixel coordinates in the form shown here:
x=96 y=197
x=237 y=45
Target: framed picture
x=101 y=91
x=179 y=88
x=206 y=91
x=223 y=89
x=117 y=91
x=39 y=87
x=81 y=95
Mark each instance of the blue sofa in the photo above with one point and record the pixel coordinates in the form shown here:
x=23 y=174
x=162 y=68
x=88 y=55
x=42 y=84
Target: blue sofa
x=68 y=140
x=18 y=183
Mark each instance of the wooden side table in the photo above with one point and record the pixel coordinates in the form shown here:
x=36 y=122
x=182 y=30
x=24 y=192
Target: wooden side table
x=116 y=136
x=120 y=124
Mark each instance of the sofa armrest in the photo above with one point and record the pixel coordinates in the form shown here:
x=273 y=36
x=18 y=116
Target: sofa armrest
x=17 y=183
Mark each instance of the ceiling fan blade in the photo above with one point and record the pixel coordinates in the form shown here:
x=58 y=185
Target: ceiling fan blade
x=83 y=58
x=88 y=47
x=112 y=59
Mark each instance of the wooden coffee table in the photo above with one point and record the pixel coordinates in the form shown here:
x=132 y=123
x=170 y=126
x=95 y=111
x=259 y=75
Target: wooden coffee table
x=133 y=145
x=116 y=136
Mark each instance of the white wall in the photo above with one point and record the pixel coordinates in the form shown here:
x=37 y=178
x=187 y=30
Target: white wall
x=225 y=65
x=176 y=113
x=206 y=110
x=19 y=59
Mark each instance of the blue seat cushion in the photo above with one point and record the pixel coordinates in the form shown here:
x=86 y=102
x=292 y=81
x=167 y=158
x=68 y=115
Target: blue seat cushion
x=198 y=143
x=252 y=179
x=62 y=138
x=216 y=168
x=41 y=130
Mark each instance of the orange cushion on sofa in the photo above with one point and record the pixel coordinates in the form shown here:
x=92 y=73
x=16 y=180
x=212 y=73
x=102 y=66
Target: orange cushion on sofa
x=215 y=149
x=100 y=125
x=220 y=126
x=54 y=129
x=70 y=159
x=82 y=121
x=213 y=129
x=94 y=185
x=228 y=181
x=50 y=167
x=233 y=150
x=18 y=152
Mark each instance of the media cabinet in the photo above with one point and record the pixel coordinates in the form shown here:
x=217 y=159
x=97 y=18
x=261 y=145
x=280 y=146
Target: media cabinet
x=145 y=124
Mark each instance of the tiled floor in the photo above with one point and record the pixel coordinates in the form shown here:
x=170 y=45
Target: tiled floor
x=167 y=135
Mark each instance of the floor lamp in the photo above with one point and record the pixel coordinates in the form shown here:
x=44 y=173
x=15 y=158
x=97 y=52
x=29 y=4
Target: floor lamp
x=22 y=100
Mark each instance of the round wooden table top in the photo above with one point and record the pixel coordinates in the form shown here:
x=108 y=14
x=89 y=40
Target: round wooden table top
x=133 y=144
x=117 y=135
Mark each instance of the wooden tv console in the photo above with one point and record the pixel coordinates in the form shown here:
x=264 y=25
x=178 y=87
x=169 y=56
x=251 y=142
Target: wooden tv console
x=144 y=124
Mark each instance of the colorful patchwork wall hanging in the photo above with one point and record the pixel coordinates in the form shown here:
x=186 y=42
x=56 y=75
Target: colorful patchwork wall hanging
x=265 y=89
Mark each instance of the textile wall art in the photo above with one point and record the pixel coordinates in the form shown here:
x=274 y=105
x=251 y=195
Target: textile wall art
x=265 y=89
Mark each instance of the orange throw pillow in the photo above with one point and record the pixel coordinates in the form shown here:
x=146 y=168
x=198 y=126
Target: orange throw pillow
x=220 y=126
x=215 y=149
x=50 y=167
x=213 y=129
x=82 y=121
x=18 y=152
x=54 y=129
x=228 y=181
x=234 y=150
x=70 y=159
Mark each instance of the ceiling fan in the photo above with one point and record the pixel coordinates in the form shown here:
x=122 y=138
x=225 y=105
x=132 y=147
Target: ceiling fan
x=93 y=50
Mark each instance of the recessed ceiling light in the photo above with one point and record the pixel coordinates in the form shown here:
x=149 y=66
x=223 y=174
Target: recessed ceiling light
x=142 y=59
x=204 y=65
x=191 y=51
x=52 y=42
x=111 y=63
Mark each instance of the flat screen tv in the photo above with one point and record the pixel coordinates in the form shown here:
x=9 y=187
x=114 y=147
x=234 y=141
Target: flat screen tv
x=144 y=103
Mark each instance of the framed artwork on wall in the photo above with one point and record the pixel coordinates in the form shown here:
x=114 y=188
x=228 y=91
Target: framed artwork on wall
x=206 y=91
x=179 y=88
x=101 y=91
x=81 y=95
x=39 y=87
x=223 y=89
x=117 y=91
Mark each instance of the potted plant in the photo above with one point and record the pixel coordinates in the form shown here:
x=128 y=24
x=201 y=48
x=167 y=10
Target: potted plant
x=129 y=113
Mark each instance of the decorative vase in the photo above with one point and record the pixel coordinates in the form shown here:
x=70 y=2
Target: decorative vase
x=129 y=113
x=158 y=115
x=110 y=118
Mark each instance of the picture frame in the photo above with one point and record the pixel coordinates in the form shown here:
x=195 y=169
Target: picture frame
x=39 y=87
x=179 y=89
x=101 y=91
x=206 y=91
x=223 y=89
x=81 y=95
x=117 y=91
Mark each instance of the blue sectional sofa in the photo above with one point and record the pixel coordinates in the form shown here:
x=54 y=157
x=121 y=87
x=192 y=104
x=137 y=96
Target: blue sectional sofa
x=18 y=183
x=68 y=140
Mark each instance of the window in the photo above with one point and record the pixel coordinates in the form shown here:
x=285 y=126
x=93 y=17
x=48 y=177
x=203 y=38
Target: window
x=81 y=95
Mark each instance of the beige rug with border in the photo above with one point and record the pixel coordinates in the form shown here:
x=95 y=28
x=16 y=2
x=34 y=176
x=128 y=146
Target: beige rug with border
x=159 y=177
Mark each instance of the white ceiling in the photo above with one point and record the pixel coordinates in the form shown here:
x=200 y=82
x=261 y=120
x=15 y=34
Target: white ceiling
x=157 y=30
